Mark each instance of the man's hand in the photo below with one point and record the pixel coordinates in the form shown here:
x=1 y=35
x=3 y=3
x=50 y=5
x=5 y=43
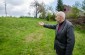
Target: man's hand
x=41 y=23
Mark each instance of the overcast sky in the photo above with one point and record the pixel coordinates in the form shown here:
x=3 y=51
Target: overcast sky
x=22 y=7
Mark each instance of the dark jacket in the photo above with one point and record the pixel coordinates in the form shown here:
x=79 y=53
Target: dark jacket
x=64 y=38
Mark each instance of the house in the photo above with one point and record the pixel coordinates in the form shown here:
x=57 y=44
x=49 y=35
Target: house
x=68 y=11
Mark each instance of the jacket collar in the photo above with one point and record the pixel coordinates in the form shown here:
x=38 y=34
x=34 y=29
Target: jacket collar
x=62 y=26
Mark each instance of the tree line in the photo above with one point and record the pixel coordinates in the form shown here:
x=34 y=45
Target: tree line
x=46 y=12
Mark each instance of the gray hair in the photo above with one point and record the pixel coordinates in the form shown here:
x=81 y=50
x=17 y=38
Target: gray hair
x=61 y=13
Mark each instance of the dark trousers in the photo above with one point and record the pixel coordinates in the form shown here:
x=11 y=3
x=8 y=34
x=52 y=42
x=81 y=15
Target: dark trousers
x=60 y=52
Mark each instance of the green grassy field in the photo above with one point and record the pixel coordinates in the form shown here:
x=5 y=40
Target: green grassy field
x=23 y=36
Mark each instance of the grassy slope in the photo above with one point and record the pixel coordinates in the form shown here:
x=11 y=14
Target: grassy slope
x=26 y=37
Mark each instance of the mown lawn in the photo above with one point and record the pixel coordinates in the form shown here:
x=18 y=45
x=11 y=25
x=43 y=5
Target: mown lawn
x=23 y=36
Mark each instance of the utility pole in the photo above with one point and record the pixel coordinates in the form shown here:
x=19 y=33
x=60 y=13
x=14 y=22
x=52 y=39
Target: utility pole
x=5 y=8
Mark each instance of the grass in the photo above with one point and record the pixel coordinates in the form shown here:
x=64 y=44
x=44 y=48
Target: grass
x=23 y=36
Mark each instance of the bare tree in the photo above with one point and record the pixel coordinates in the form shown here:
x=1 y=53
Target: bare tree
x=35 y=4
x=42 y=10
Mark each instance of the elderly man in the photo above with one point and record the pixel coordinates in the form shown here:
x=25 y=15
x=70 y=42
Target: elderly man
x=64 y=34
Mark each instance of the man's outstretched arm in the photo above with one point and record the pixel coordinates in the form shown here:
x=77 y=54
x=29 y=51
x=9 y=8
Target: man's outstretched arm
x=47 y=25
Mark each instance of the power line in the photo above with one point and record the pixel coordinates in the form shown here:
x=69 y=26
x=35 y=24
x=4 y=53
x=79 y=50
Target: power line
x=5 y=8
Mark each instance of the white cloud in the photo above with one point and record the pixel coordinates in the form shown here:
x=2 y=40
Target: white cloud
x=15 y=2
x=20 y=7
x=46 y=1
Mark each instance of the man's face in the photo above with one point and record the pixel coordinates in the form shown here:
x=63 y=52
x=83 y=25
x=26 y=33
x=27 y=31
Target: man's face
x=58 y=18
